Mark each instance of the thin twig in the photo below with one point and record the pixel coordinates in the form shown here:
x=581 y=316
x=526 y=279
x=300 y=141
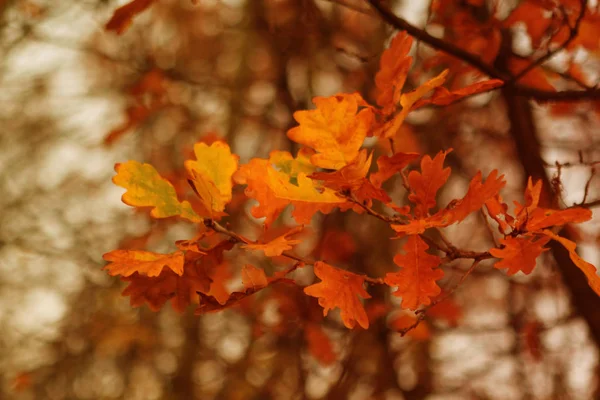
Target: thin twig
x=215 y=226
x=573 y=32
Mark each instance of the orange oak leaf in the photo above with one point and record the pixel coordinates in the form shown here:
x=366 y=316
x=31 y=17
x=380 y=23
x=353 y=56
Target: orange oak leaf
x=407 y=103
x=457 y=210
x=416 y=281
x=499 y=213
x=341 y=289
x=443 y=97
x=393 y=69
x=424 y=185
x=199 y=274
x=319 y=344
x=478 y=193
x=156 y=291
x=352 y=178
x=212 y=173
x=277 y=246
x=336 y=129
x=146 y=188
x=529 y=217
x=123 y=16
x=588 y=269
x=275 y=190
x=254 y=278
x=126 y=262
x=418 y=226
x=541 y=218
x=519 y=253
x=389 y=166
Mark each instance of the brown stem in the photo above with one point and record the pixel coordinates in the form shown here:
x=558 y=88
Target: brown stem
x=215 y=226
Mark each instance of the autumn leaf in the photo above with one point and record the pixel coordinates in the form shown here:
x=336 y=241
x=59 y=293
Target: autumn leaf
x=286 y=163
x=277 y=246
x=532 y=218
x=443 y=97
x=200 y=274
x=127 y=262
x=123 y=16
x=146 y=188
x=478 y=193
x=519 y=253
x=341 y=289
x=253 y=278
x=275 y=190
x=588 y=269
x=544 y=218
x=416 y=281
x=352 y=178
x=457 y=210
x=499 y=213
x=156 y=291
x=389 y=166
x=407 y=103
x=424 y=185
x=336 y=129
x=319 y=344
x=393 y=69
x=212 y=173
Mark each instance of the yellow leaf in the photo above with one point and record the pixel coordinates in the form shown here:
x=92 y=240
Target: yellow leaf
x=146 y=188
x=275 y=190
x=211 y=173
x=286 y=163
x=336 y=129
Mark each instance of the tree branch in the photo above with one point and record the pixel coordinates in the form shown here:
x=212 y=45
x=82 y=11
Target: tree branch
x=541 y=95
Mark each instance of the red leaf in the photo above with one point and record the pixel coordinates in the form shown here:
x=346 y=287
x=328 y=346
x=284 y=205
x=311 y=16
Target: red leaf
x=425 y=184
x=123 y=16
x=443 y=97
x=519 y=253
x=389 y=166
x=416 y=281
x=340 y=289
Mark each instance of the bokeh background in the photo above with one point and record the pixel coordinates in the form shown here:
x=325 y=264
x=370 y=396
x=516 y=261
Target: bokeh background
x=75 y=99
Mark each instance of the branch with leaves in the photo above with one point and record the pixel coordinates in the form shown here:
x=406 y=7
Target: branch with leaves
x=332 y=171
x=507 y=77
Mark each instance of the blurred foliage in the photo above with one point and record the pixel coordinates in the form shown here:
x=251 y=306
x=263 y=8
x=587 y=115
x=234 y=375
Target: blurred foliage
x=75 y=99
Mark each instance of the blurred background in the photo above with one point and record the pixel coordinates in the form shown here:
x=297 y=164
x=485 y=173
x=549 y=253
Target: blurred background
x=76 y=98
